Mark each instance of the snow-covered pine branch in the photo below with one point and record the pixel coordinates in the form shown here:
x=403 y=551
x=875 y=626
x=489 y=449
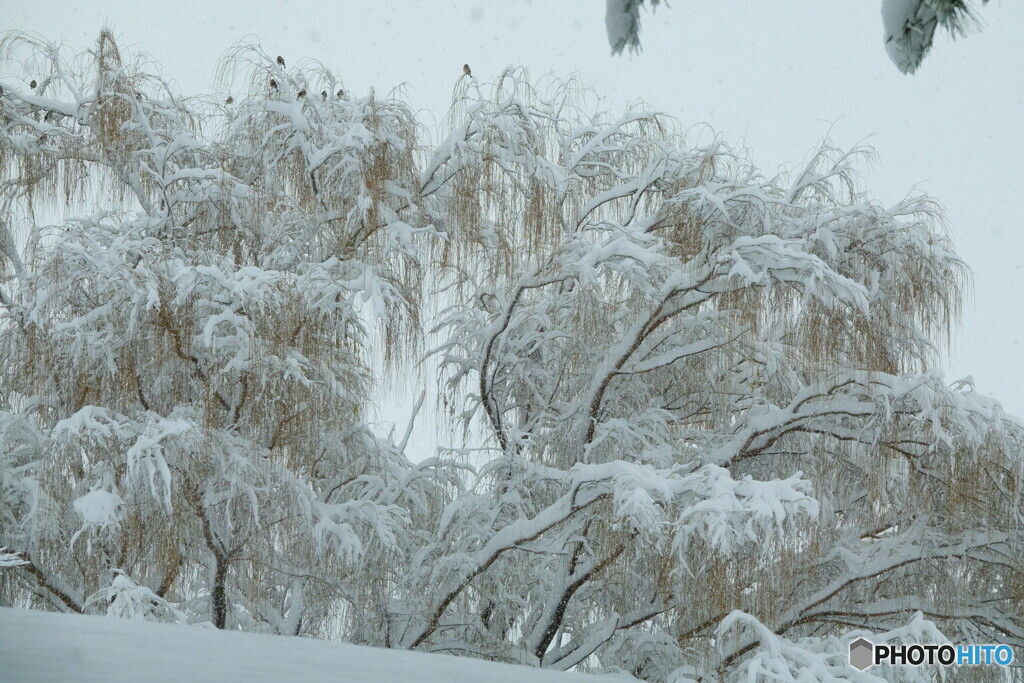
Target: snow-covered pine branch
x=909 y=26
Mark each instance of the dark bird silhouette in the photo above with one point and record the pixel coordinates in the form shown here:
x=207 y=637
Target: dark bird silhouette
x=280 y=60
x=32 y=84
x=229 y=100
x=273 y=84
x=302 y=93
x=323 y=94
x=466 y=70
x=341 y=92
x=138 y=96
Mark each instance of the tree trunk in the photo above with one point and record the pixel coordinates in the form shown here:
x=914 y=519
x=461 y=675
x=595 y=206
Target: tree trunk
x=218 y=598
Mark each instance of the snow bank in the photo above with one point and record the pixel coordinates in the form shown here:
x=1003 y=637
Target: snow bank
x=48 y=647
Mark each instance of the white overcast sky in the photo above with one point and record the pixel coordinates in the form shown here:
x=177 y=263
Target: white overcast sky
x=775 y=76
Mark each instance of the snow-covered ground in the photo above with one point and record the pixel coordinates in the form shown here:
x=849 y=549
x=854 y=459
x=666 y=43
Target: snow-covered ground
x=54 y=648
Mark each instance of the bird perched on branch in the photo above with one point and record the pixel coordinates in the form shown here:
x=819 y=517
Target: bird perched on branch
x=280 y=60
x=302 y=93
x=273 y=84
x=323 y=94
x=229 y=100
x=341 y=92
x=32 y=84
x=466 y=70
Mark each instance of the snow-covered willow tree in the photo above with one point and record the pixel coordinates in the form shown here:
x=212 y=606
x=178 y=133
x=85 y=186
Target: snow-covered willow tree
x=183 y=355
x=716 y=441
x=703 y=435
